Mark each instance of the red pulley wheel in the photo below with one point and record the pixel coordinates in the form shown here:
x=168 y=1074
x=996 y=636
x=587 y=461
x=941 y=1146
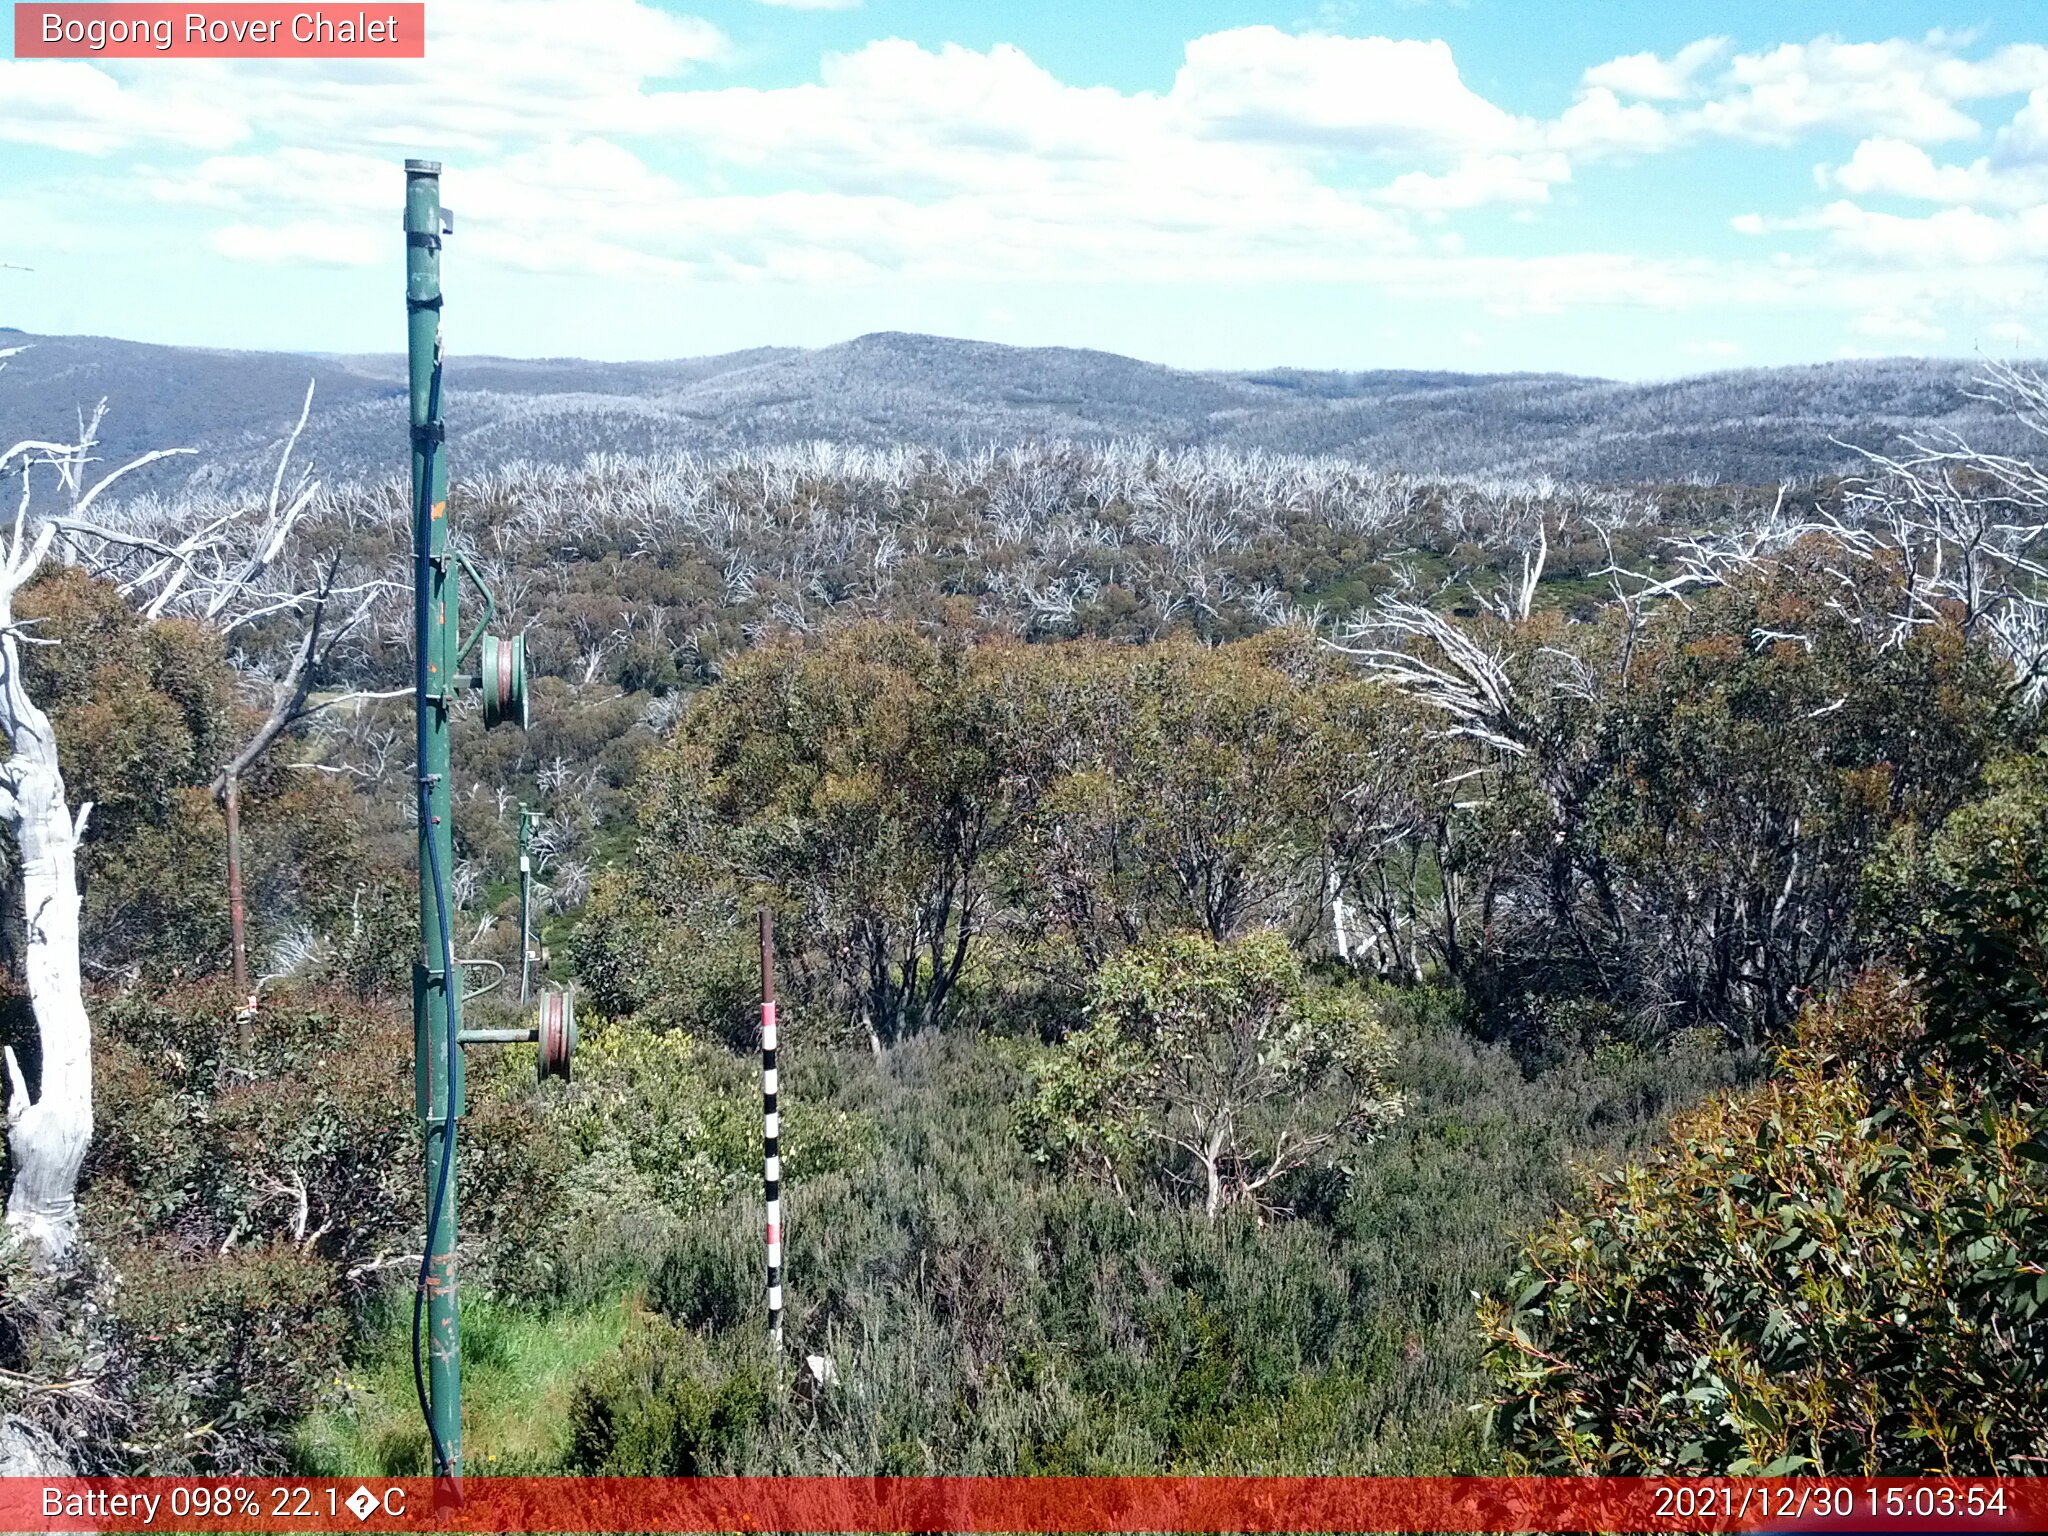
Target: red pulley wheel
x=557 y=1034
x=501 y=669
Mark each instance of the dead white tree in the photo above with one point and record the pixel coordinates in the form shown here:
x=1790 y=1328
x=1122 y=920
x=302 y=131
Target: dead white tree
x=47 y=1130
x=217 y=569
x=1967 y=532
x=49 y=1123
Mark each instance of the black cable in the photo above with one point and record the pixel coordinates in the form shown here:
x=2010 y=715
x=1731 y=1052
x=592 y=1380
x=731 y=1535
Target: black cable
x=423 y=521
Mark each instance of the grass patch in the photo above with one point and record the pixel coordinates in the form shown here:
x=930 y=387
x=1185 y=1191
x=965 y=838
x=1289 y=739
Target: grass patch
x=519 y=1367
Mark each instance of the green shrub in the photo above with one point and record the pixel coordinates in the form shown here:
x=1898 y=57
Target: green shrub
x=659 y=1408
x=664 y=1121
x=308 y=1140
x=713 y=1276
x=1224 y=1063
x=220 y=1354
x=667 y=975
x=244 y=1203
x=1828 y=1273
x=54 y=1356
x=1967 y=912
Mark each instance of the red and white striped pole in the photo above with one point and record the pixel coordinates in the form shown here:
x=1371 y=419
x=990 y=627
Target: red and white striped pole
x=771 y=1130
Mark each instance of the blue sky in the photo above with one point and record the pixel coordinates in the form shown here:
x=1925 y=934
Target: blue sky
x=1625 y=188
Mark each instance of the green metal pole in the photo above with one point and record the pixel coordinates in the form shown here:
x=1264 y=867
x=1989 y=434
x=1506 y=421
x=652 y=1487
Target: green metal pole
x=437 y=983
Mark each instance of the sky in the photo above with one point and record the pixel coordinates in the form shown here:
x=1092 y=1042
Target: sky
x=1615 y=187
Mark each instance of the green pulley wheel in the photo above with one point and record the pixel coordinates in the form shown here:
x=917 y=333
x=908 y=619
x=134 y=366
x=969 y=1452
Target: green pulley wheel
x=557 y=1033
x=501 y=676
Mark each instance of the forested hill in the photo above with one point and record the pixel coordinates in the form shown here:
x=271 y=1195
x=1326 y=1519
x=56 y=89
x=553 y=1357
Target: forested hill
x=1752 y=426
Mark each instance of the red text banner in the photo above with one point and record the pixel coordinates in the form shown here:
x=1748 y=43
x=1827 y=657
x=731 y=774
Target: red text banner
x=221 y=31
x=1052 y=1504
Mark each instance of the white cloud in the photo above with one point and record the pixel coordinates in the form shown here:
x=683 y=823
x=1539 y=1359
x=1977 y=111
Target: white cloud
x=303 y=242
x=81 y=108
x=1599 y=123
x=1488 y=179
x=496 y=72
x=2024 y=141
x=1950 y=239
x=1889 y=168
x=1900 y=88
x=290 y=178
x=1894 y=168
x=1649 y=77
x=814 y=5
x=1891 y=325
x=1372 y=95
x=1268 y=157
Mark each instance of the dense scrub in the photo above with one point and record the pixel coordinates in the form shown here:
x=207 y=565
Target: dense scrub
x=985 y=1315
x=1193 y=997
x=1840 y=1269
x=1669 y=833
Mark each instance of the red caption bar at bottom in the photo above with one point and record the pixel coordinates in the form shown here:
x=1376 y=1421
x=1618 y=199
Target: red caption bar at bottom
x=1070 y=1504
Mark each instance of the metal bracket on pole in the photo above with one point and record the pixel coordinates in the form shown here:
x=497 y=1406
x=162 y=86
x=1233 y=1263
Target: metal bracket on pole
x=476 y=578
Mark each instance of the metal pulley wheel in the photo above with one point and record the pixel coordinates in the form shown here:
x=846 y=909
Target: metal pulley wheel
x=501 y=678
x=557 y=1033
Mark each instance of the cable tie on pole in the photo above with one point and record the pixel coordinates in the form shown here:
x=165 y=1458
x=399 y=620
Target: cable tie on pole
x=433 y=303
x=433 y=432
x=423 y=240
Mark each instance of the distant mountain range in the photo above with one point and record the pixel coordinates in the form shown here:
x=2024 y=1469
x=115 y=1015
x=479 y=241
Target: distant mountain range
x=1753 y=426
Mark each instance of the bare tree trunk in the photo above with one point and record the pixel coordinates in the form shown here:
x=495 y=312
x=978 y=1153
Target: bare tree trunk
x=231 y=807
x=26 y=1451
x=1212 y=1161
x=46 y=1137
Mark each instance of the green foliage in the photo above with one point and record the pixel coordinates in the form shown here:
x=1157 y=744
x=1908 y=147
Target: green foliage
x=521 y=1365
x=985 y=1316
x=1186 y=789
x=309 y=1141
x=1129 y=850
x=1662 y=822
x=663 y=1123
x=1765 y=744
x=145 y=1358
x=241 y=1202
x=983 y=825
x=145 y=713
x=659 y=1409
x=52 y=1346
x=861 y=786
x=707 y=1278
x=225 y=1352
x=665 y=973
x=1223 y=1058
x=371 y=948
x=1838 y=1272
x=1967 y=911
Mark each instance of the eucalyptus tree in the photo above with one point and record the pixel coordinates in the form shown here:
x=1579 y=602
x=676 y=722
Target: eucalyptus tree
x=1219 y=1064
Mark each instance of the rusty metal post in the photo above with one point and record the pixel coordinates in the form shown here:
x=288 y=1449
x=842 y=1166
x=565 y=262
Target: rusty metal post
x=238 y=940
